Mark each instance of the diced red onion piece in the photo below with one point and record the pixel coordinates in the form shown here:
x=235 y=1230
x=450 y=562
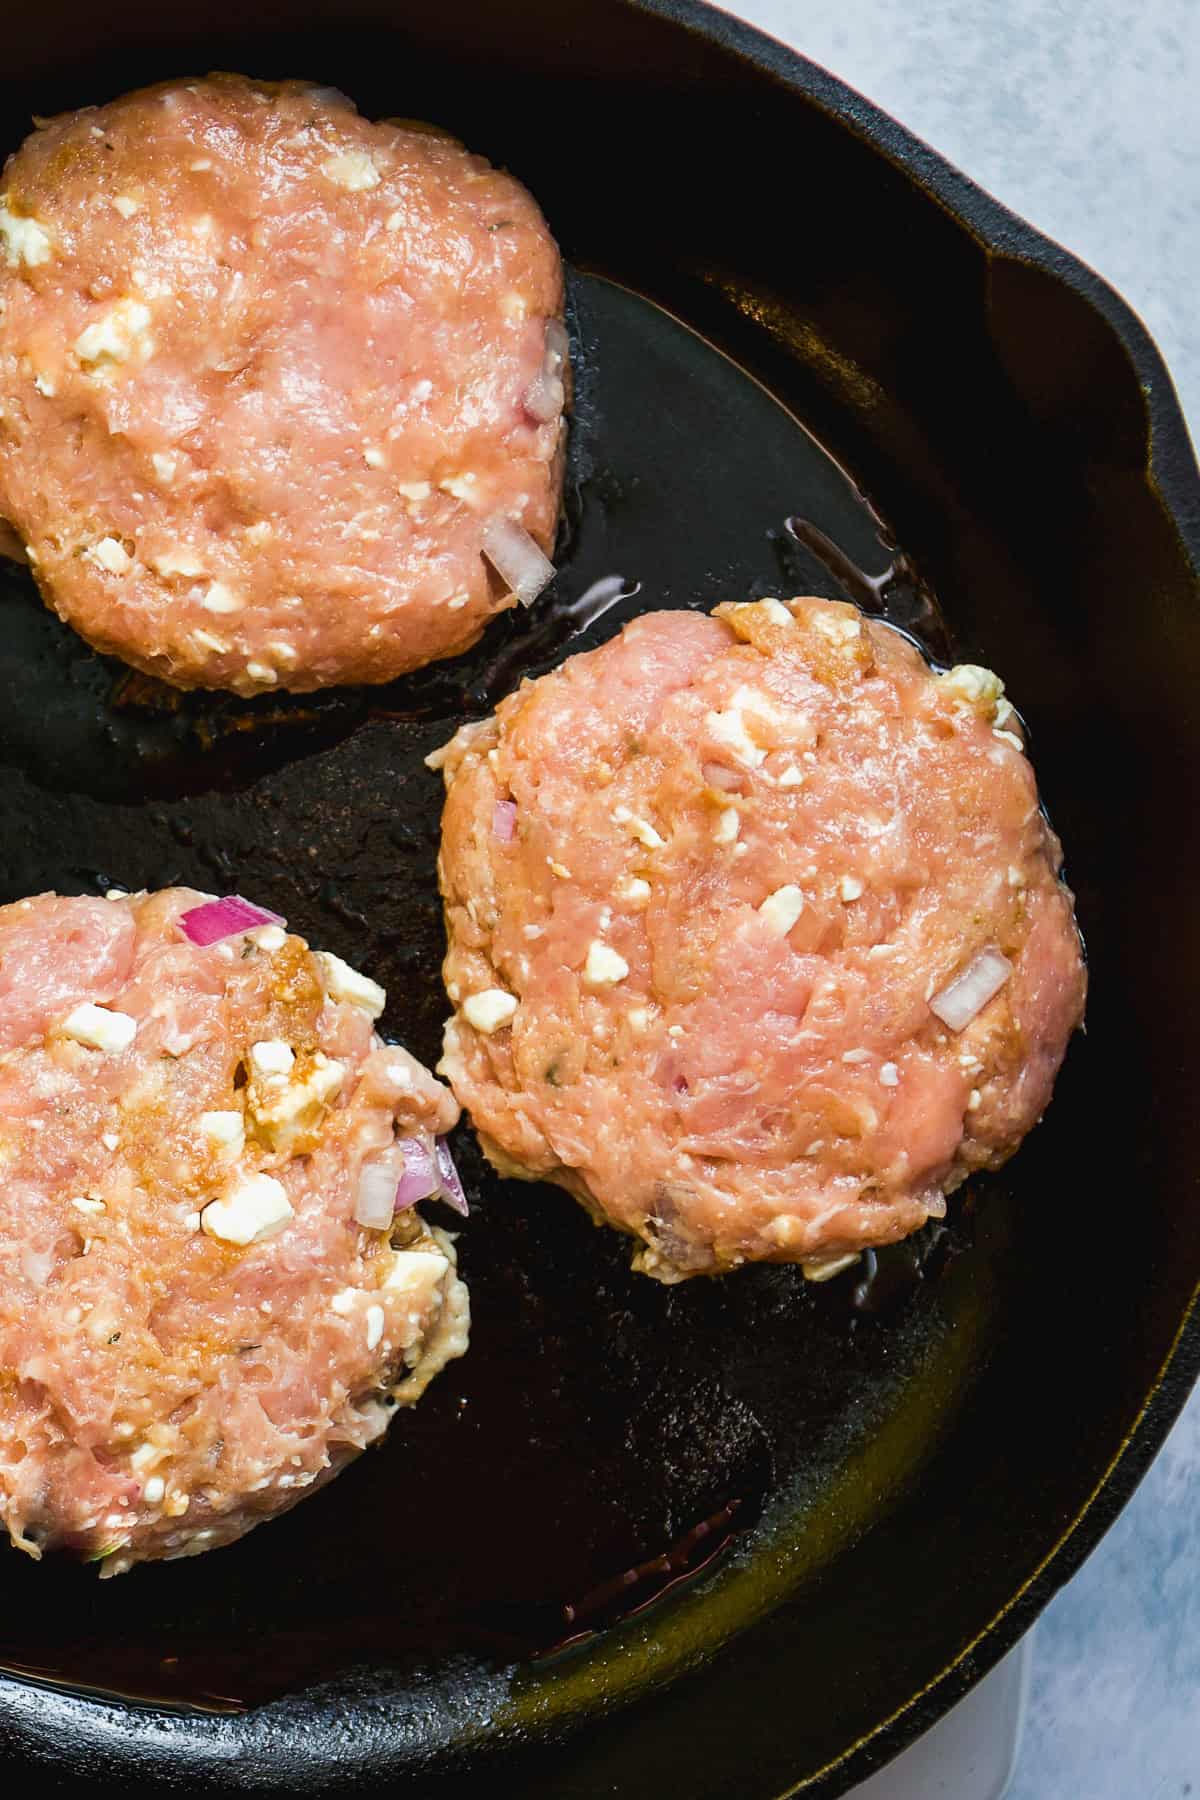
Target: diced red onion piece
x=420 y=1177
x=327 y=96
x=516 y=558
x=969 y=993
x=543 y=398
x=557 y=346
x=374 y=1204
x=824 y=1268
x=451 y=1186
x=504 y=820
x=718 y=776
x=36 y=1265
x=218 y=919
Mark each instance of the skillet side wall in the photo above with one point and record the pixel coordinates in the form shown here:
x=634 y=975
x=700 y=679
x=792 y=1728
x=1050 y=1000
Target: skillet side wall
x=1003 y=428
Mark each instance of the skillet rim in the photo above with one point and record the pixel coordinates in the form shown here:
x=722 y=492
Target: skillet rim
x=1171 y=471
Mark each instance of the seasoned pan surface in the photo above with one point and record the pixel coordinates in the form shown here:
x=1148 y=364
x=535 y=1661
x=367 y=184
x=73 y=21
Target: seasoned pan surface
x=738 y=1506
x=618 y=1423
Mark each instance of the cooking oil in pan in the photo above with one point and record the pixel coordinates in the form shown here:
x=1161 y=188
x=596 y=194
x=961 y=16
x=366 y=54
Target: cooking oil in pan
x=607 y=1445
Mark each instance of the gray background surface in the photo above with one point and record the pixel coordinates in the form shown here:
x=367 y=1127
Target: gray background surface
x=1084 y=117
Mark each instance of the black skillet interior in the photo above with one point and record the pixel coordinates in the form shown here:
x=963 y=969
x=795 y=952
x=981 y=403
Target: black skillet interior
x=793 y=1510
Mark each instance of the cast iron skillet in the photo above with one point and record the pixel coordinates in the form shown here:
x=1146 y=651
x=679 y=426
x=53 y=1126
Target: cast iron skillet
x=847 y=1502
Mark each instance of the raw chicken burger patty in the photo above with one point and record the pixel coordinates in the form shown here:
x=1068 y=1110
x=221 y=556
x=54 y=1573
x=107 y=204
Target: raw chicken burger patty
x=193 y=1329
x=757 y=940
x=270 y=376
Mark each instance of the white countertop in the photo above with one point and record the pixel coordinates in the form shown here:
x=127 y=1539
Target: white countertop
x=1084 y=117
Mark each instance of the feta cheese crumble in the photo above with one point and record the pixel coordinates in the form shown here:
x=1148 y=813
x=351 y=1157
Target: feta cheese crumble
x=413 y=1270
x=641 y=829
x=344 y=983
x=729 y=728
x=226 y=1132
x=252 y=1208
x=111 y=555
x=489 y=1010
x=781 y=909
x=177 y=561
x=604 y=967
x=220 y=599
x=100 y=1027
x=837 y=627
x=459 y=487
x=351 y=169
x=269 y=937
x=272 y=1059
x=971 y=683
x=121 y=334
x=25 y=240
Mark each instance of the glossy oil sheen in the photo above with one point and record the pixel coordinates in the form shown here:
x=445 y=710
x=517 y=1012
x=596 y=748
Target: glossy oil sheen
x=836 y=1492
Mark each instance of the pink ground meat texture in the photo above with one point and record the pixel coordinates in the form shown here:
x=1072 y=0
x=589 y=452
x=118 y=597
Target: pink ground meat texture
x=692 y=971
x=263 y=372
x=165 y=1386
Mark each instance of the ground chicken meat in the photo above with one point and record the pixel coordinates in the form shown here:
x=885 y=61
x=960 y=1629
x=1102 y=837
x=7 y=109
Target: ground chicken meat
x=194 y=1332
x=267 y=371
x=713 y=892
